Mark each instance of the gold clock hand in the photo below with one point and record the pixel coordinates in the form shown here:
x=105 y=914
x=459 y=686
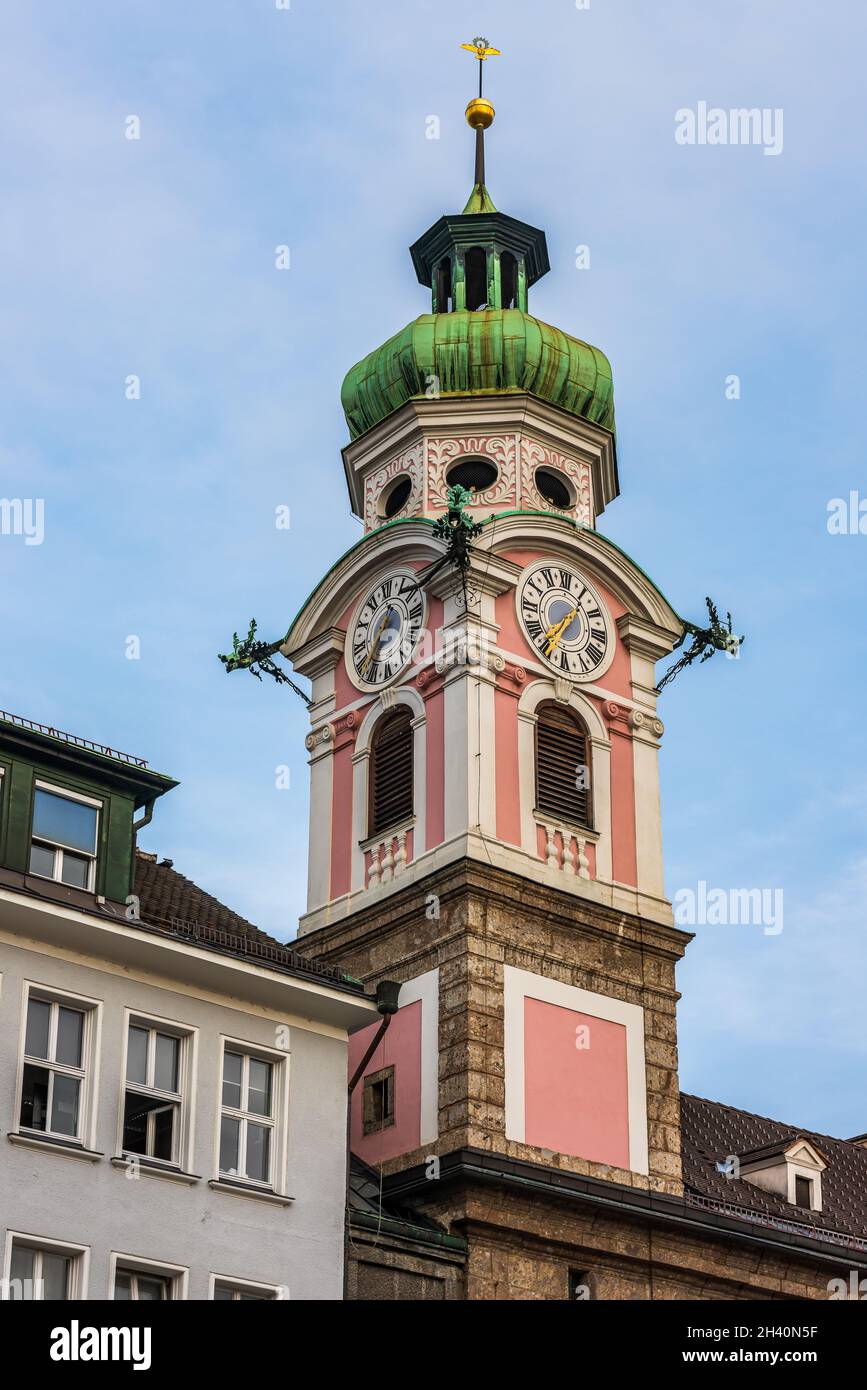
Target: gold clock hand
x=375 y=644
x=556 y=630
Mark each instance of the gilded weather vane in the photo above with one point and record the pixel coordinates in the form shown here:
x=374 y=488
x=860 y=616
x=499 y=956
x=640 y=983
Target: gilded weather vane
x=482 y=50
x=480 y=112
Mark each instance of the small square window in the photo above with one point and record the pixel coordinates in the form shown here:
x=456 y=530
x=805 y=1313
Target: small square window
x=378 y=1102
x=580 y=1288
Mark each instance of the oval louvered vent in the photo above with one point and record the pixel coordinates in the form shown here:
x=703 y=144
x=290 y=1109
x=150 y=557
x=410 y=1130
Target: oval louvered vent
x=391 y=771
x=562 y=766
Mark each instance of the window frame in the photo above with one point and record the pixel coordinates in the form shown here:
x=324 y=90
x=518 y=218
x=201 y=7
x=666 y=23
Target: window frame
x=178 y=1275
x=183 y=1099
x=88 y=1072
x=278 y=1121
x=376 y=833
x=810 y=1204
x=57 y=846
x=78 y=1255
x=369 y=1124
x=546 y=813
x=267 y=1293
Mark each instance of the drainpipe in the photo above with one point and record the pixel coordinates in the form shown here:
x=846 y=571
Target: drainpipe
x=146 y=819
x=387 y=992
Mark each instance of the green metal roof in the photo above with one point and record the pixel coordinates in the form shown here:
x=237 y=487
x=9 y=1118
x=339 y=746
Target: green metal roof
x=484 y=352
x=479 y=200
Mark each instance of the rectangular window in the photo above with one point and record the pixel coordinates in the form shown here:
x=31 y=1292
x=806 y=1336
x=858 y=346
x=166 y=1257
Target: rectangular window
x=42 y=1270
x=804 y=1193
x=153 y=1094
x=133 y=1279
x=132 y=1284
x=579 y=1286
x=63 y=844
x=225 y=1291
x=378 y=1101
x=247 y=1123
x=54 y=1070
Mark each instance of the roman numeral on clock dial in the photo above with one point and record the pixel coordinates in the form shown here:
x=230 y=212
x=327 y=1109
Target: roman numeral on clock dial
x=386 y=629
x=565 y=620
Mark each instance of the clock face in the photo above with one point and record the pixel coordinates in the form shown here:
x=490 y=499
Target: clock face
x=566 y=621
x=386 y=628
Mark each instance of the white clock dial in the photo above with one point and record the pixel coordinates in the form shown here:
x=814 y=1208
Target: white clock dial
x=386 y=629
x=565 y=620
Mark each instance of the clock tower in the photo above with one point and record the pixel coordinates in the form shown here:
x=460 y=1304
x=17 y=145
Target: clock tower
x=484 y=789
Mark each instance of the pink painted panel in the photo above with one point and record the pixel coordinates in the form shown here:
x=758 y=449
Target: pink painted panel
x=624 y=859
x=576 y=1098
x=507 y=784
x=400 y=1048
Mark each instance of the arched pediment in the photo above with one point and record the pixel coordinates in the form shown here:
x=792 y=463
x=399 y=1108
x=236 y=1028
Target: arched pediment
x=398 y=543
x=600 y=557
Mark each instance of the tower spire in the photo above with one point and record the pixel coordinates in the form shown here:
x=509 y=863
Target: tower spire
x=480 y=115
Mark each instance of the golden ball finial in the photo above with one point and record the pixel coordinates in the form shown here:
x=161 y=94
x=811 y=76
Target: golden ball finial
x=479 y=113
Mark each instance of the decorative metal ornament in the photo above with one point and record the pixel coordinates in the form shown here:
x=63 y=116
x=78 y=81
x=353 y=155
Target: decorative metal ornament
x=716 y=637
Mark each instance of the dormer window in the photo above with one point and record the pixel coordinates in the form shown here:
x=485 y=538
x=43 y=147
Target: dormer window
x=791 y=1169
x=63 y=844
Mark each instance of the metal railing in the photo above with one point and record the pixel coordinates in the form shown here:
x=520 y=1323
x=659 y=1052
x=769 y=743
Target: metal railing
x=777 y=1223
x=73 y=740
x=250 y=946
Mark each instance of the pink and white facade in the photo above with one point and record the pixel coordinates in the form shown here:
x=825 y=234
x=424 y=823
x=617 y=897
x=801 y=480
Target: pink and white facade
x=474 y=686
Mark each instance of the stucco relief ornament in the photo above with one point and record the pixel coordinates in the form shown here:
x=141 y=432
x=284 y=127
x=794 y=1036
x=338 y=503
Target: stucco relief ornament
x=406 y=465
x=535 y=455
x=500 y=449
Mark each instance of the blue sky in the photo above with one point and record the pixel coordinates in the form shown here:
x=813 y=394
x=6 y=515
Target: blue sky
x=306 y=127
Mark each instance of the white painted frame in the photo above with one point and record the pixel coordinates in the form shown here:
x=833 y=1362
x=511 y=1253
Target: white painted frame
x=426 y=990
x=79 y=1255
x=540 y=692
x=519 y=985
x=400 y=695
x=184 y=1136
x=277 y=1293
x=90 y=1049
x=59 y=848
x=140 y=1264
x=280 y=1117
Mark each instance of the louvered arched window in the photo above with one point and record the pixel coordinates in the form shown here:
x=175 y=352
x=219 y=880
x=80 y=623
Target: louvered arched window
x=563 y=772
x=391 y=791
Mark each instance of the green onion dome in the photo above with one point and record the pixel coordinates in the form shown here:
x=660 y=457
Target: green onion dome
x=479 y=353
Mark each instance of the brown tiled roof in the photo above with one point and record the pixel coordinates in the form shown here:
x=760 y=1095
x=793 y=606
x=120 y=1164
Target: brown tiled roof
x=178 y=906
x=711 y=1133
x=165 y=895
